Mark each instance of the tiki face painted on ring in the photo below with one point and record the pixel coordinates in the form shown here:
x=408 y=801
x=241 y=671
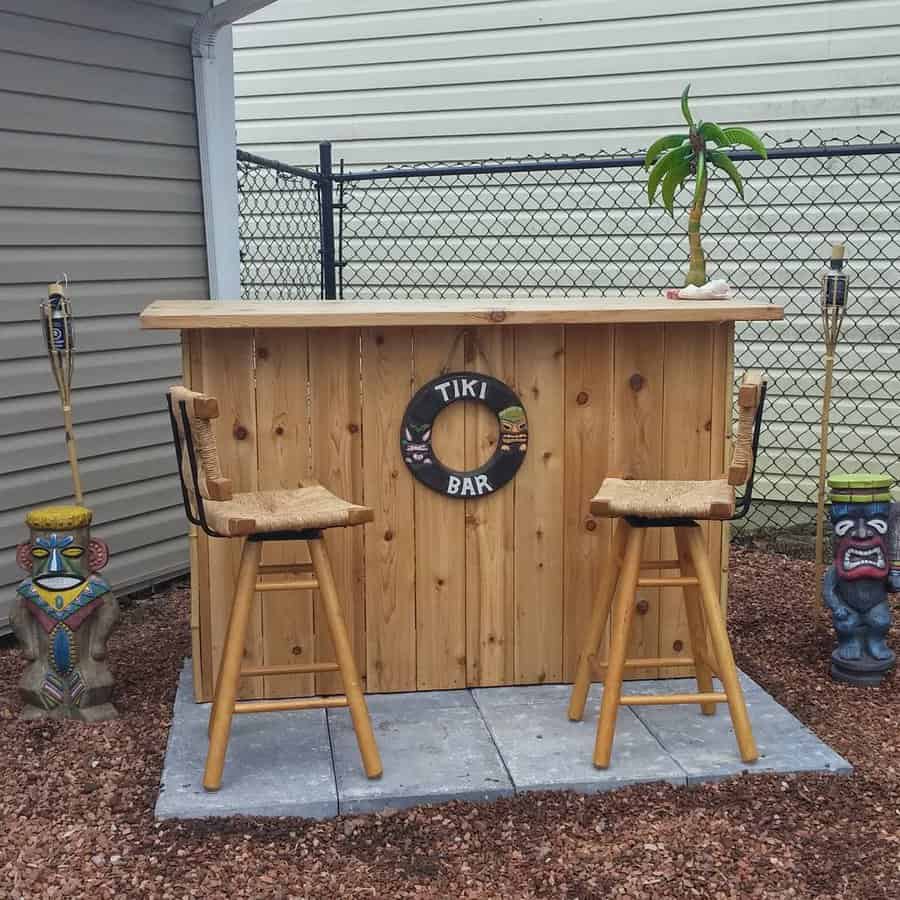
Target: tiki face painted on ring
x=860 y=531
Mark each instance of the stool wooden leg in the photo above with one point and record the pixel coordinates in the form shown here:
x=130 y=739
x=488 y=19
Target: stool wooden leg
x=359 y=712
x=599 y=616
x=693 y=609
x=623 y=614
x=230 y=670
x=217 y=706
x=719 y=637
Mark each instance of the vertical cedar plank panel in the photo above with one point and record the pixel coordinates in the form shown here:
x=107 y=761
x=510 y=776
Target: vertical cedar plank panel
x=490 y=530
x=228 y=375
x=540 y=370
x=588 y=415
x=336 y=441
x=283 y=442
x=440 y=537
x=197 y=543
x=194 y=380
x=637 y=452
x=687 y=434
x=723 y=400
x=388 y=488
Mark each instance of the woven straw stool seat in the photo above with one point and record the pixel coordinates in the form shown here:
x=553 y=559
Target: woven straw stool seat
x=310 y=507
x=664 y=499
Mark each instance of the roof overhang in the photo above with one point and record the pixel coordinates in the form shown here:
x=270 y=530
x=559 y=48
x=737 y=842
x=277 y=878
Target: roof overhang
x=223 y=14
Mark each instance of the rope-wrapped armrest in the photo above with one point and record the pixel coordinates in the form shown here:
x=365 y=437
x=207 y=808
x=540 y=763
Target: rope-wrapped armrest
x=749 y=395
x=201 y=409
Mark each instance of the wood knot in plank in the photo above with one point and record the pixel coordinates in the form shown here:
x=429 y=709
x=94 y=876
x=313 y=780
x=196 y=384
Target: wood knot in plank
x=240 y=432
x=582 y=398
x=262 y=352
x=590 y=525
x=643 y=607
x=678 y=646
x=636 y=382
x=497 y=315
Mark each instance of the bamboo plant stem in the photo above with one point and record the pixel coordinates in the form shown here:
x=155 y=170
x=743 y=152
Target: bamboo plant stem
x=696 y=273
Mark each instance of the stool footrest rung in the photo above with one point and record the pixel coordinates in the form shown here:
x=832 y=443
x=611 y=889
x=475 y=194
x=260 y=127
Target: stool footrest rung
x=661 y=564
x=285 y=569
x=259 y=706
x=673 y=581
x=671 y=699
x=651 y=662
x=298 y=584
x=298 y=669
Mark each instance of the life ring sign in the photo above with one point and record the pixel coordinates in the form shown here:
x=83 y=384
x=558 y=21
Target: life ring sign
x=417 y=426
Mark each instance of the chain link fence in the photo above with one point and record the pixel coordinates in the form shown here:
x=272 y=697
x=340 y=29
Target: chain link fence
x=582 y=225
x=279 y=229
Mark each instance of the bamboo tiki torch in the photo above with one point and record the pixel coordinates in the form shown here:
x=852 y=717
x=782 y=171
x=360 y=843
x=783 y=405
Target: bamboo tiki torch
x=56 y=315
x=834 y=304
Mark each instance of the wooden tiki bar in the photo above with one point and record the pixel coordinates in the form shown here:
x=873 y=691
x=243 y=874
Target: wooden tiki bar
x=444 y=592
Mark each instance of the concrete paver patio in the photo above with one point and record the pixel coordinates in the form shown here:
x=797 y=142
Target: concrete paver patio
x=470 y=744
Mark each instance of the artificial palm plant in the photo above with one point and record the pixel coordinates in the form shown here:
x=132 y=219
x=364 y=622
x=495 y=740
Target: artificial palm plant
x=674 y=157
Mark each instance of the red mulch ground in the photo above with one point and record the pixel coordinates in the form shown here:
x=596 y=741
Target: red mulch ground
x=76 y=801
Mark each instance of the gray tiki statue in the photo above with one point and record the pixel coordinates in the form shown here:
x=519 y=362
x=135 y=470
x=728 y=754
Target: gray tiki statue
x=63 y=616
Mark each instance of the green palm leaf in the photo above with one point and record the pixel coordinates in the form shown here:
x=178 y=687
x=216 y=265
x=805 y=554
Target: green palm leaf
x=711 y=132
x=685 y=110
x=736 y=134
x=664 y=143
x=673 y=182
x=664 y=166
x=718 y=158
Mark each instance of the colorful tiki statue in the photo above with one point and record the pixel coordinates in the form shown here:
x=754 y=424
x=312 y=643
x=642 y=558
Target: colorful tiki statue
x=63 y=617
x=856 y=586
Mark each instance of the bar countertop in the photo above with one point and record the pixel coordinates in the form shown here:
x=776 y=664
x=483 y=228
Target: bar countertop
x=184 y=314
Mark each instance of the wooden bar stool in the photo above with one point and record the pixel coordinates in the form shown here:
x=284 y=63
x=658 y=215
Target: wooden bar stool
x=279 y=515
x=679 y=505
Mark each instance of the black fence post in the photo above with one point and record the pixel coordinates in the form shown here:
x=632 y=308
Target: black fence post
x=326 y=223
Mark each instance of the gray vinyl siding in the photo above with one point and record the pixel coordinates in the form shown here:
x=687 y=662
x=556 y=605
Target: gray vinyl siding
x=99 y=178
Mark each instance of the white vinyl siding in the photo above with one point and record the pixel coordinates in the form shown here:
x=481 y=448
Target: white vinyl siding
x=99 y=178
x=391 y=81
